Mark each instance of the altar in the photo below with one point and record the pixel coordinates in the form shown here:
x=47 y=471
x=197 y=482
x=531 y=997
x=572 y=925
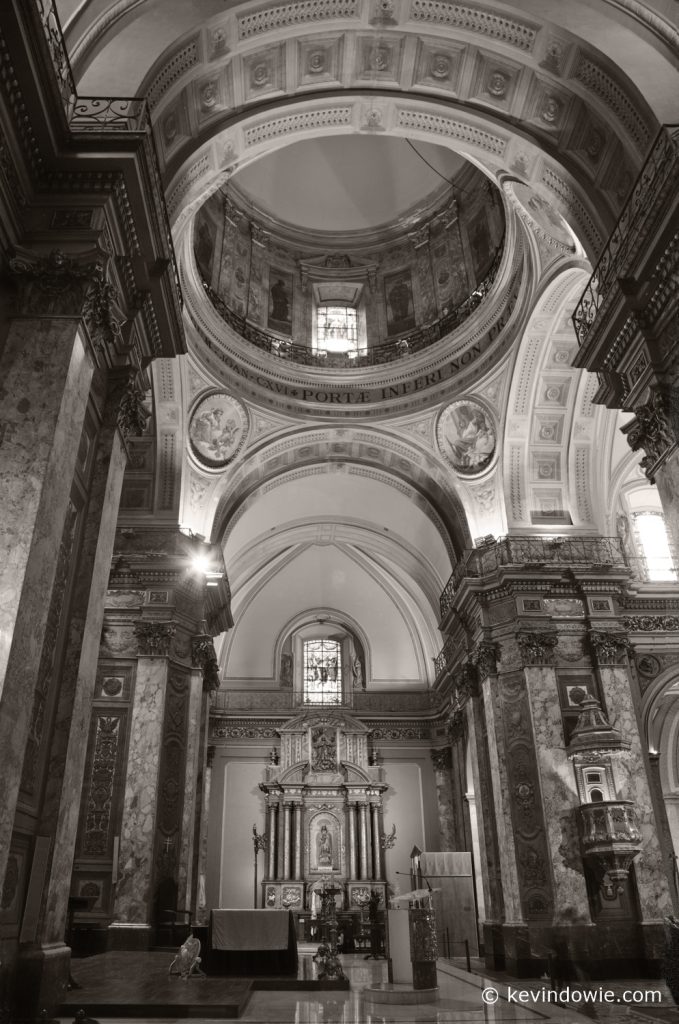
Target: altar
x=248 y=942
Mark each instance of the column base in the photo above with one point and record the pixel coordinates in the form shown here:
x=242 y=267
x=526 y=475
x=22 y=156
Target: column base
x=493 y=946
x=41 y=980
x=122 y=935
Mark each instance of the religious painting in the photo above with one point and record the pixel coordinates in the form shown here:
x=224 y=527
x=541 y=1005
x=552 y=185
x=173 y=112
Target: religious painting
x=478 y=234
x=217 y=429
x=466 y=437
x=324 y=843
x=398 y=292
x=280 y=301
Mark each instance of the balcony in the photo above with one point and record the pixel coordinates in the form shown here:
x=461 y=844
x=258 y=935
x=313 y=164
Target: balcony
x=609 y=837
x=533 y=553
x=361 y=702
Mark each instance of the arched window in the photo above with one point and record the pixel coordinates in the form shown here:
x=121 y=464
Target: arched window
x=654 y=548
x=337 y=328
x=322 y=672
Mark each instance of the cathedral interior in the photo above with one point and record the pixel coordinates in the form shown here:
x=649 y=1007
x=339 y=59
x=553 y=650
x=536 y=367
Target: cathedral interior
x=339 y=348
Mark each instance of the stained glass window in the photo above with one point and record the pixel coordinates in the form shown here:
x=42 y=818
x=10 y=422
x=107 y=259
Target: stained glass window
x=322 y=672
x=337 y=329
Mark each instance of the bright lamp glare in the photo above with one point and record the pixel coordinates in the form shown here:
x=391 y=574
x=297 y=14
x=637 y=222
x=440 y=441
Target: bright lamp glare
x=201 y=563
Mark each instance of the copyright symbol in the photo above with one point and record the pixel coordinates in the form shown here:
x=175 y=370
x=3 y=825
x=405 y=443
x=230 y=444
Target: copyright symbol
x=490 y=996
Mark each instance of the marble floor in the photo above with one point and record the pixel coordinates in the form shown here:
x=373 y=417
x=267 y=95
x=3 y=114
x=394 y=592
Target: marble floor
x=463 y=997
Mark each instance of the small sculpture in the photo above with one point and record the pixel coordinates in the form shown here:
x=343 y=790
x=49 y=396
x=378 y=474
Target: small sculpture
x=186 y=962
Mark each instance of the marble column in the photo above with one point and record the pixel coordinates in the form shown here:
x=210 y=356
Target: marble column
x=271 y=848
x=351 y=813
x=298 y=841
x=558 y=792
x=202 y=910
x=442 y=761
x=191 y=808
x=377 y=866
x=41 y=426
x=287 y=811
x=133 y=899
x=363 y=841
x=61 y=803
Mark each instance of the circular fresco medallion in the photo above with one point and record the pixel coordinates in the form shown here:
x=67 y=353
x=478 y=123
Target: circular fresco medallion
x=218 y=428
x=466 y=437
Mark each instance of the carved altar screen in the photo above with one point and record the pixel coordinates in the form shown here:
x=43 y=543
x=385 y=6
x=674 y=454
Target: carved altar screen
x=322 y=672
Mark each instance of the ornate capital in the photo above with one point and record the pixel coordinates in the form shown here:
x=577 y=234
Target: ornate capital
x=654 y=429
x=466 y=681
x=609 y=648
x=54 y=285
x=154 y=638
x=484 y=658
x=537 y=648
x=442 y=759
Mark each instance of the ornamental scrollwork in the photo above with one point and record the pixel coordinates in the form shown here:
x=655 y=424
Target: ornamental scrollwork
x=537 y=648
x=154 y=638
x=56 y=284
x=100 y=301
x=652 y=430
x=133 y=414
x=441 y=759
x=457 y=725
x=203 y=656
x=609 y=648
x=651 y=623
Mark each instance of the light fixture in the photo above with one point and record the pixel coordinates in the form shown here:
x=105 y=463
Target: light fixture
x=200 y=563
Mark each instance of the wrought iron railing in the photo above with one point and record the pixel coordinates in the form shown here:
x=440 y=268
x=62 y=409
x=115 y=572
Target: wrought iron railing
x=106 y=114
x=446 y=655
x=659 y=177
x=404 y=345
x=532 y=553
x=117 y=114
x=609 y=821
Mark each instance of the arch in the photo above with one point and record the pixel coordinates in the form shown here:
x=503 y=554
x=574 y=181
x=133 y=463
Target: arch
x=552 y=456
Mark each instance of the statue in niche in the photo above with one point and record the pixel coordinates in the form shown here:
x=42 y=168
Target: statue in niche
x=324 y=848
x=357 y=672
x=323 y=750
x=286 y=670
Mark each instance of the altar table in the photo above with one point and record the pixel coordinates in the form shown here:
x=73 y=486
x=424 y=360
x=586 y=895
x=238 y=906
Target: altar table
x=249 y=942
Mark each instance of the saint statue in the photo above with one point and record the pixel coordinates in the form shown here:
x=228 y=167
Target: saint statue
x=324 y=848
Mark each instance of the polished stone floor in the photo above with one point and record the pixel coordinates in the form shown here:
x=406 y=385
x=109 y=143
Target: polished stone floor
x=461 y=999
